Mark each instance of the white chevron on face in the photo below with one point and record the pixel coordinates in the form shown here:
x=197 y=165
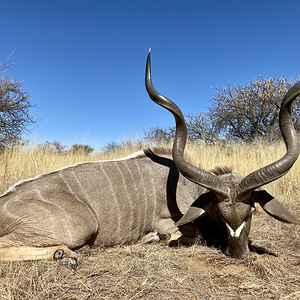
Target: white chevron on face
x=235 y=233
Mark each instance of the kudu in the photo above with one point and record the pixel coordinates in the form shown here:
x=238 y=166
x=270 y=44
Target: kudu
x=140 y=197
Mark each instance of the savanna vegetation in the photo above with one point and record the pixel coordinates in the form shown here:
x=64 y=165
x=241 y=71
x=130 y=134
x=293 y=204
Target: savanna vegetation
x=240 y=113
x=160 y=272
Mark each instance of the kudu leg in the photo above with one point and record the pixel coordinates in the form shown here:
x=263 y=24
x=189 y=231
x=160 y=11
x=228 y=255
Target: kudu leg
x=9 y=253
x=169 y=239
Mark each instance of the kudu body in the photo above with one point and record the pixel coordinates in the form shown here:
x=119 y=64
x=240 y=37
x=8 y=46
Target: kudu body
x=140 y=197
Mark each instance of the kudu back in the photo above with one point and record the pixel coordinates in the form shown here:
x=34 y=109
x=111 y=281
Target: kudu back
x=150 y=195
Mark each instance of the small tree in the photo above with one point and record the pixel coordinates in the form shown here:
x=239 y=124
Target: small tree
x=112 y=146
x=158 y=135
x=53 y=146
x=86 y=149
x=15 y=118
x=201 y=127
x=247 y=112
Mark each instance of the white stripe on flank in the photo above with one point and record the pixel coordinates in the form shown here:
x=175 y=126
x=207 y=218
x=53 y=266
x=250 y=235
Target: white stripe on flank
x=235 y=233
x=116 y=202
x=145 y=204
x=128 y=198
x=136 y=195
x=88 y=200
x=154 y=195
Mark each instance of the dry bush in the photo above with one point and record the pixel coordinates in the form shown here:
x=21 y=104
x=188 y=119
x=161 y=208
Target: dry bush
x=158 y=272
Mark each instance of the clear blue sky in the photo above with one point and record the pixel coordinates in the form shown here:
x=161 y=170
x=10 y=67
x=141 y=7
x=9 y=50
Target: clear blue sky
x=83 y=62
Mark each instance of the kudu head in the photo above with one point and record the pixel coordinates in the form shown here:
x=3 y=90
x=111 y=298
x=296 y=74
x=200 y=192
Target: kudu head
x=230 y=197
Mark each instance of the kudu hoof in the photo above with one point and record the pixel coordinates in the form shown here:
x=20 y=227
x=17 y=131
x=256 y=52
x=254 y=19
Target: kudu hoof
x=69 y=262
x=58 y=255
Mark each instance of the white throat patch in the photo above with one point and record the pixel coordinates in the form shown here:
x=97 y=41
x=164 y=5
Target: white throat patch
x=235 y=233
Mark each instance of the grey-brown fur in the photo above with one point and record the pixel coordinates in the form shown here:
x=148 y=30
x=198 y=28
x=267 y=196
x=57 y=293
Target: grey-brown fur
x=97 y=203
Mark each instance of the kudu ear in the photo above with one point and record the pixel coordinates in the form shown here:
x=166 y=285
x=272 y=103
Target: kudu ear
x=196 y=210
x=273 y=207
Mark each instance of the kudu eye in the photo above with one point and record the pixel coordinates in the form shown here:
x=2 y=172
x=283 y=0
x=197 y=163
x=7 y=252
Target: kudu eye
x=251 y=212
x=249 y=215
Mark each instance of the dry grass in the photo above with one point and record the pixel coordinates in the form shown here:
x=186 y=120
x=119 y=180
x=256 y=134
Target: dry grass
x=21 y=163
x=158 y=272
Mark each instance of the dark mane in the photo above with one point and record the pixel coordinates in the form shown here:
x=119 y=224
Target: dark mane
x=167 y=150
x=221 y=170
x=160 y=150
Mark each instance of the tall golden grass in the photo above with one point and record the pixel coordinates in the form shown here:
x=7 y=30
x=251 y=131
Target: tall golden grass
x=23 y=162
x=158 y=272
